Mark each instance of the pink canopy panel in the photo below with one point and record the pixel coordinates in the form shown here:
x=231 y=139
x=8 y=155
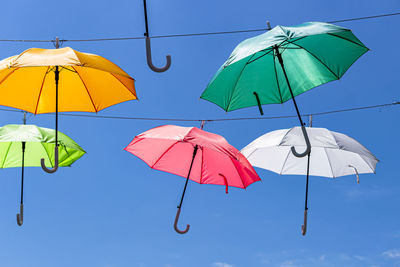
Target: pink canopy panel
x=170 y=148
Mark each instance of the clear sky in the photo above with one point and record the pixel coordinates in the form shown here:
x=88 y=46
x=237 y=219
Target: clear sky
x=111 y=210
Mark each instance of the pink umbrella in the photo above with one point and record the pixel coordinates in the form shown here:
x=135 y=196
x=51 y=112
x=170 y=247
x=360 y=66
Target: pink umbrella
x=200 y=156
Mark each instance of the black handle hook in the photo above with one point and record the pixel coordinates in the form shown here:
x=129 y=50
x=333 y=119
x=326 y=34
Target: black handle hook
x=20 y=215
x=308 y=149
x=55 y=168
x=176 y=223
x=149 y=61
x=304 y=226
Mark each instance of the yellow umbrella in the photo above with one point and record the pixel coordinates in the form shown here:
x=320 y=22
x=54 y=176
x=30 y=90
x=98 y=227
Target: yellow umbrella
x=59 y=80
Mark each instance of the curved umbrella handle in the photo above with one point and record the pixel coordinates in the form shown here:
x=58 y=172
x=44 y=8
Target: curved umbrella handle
x=304 y=226
x=176 y=223
x=149 y=61
x=355 y=169
x=308 y=150
x=20 y=215
x=55 y=162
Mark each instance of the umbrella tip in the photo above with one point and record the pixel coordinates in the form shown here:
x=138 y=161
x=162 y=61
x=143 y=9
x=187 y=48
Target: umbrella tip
x=268 y=25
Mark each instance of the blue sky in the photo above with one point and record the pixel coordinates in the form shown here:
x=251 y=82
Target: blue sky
x=111 y=210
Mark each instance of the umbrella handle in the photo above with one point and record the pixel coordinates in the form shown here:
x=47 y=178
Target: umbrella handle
x=20 y=215
x=304 y=226
x=355 y=169
x=308 y=149
x=149 y=61
x=54 y=169
x=176 y=223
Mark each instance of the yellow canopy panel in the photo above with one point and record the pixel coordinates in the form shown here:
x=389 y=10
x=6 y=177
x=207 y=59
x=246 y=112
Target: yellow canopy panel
x=87 y=82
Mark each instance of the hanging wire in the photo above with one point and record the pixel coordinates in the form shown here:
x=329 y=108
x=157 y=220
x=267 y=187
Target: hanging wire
x=188 y=34
x=217 y=120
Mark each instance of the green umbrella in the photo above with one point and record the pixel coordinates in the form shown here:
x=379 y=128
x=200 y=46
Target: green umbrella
x=282 y=63
x=36 y=143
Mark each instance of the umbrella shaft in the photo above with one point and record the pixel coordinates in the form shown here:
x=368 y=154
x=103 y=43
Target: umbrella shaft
x=187 y=179
x=22 y=176
x=57 y=75
x=308 y=172
x=288 y=83
x=145 y=18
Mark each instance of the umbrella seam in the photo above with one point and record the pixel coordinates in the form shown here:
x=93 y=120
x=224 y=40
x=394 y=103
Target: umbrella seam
x=87 y=90
x=263 y=50
x=166 y=151
x=348 y=40
x=329 y=160
x=283 y=165
x=334 y=138
x=41 y=89
x=8 y=75
x=326 y=66
x=109 y=61
x=366 y=163
x=134 y=94
x=8 y=149
x=289 y=130
x=234 y=166
x=237 y=80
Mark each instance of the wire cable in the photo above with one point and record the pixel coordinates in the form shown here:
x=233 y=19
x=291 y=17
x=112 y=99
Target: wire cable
x=218 y=119
x=188 y=34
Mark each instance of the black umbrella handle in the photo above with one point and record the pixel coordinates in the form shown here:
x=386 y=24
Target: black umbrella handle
x=304 y=226
x=308 y=149
x=55 y=168
x=20 y=215
x=148 y=46
x=149 y=60
x=176 y=223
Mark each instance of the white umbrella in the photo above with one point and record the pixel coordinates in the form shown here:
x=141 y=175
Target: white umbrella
x=332 y=155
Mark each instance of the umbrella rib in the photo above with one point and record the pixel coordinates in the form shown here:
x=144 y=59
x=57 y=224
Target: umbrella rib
x=373 y=171
x=263 y=55
x=347 y=40
x=241 y=180
x=276 y=78
x=8 y=149
x=41 y=89
x=165 y=152
x=329 y=160
x=283 y=165
x=237 y=80
x=337 y=77
x=8 y=75
x=87 y=90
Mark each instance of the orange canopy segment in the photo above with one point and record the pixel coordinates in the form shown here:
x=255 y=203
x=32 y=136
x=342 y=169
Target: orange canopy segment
x=87 y=82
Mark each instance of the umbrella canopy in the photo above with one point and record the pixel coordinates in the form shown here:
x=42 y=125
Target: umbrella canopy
x=332 y=155
x=87 y=82
x=282 y=63
x=23 y=145
x=200 y=156
x=40 y=143
x=313 y=53
x=81 y=82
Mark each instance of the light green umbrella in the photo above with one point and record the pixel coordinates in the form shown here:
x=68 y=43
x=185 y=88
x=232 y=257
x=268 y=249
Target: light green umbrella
x=23 y=145
x=282 y=63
